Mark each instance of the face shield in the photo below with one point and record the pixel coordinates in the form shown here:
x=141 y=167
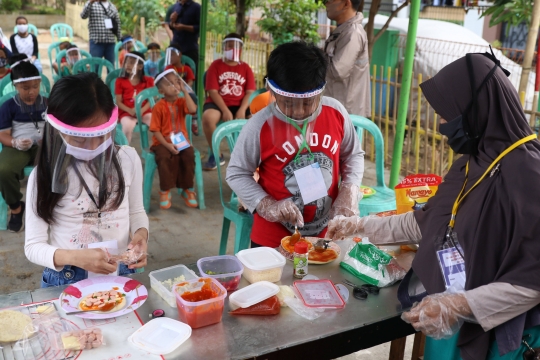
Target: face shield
x=171 y=79
x=232 y=49
x=294 y=118
x=133 y=66
x=84 y=150
x=72 y=56
x=129 y=45
x=154 y=55
x=172 y=56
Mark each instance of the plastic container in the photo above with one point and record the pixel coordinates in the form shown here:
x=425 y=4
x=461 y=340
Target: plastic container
x=170 y=273
x=160 y=336
x=319 y=294
x=227 y=268
x=201 y=313
x=262 y=264
x=252 y=294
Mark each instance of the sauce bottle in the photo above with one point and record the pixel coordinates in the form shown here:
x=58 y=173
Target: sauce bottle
x=300 y=259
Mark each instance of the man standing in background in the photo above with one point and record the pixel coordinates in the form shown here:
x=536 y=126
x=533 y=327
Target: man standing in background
x=185 y=22
x=347 y=78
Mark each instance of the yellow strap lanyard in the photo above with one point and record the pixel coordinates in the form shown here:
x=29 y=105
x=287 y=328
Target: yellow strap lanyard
x=460 y=198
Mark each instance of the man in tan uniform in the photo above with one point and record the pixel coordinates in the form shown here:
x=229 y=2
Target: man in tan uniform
x=348 y=59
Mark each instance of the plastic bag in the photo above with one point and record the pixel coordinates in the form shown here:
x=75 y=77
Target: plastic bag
x=413 y=192
x=298 y=307
x=269 y=306
x=285 y=292
x=371 y=265
x=128 y=257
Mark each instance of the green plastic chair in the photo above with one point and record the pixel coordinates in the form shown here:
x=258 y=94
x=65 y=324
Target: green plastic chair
x=256 y=93
x=61 y=30
x=7 y=87
x=32 y=29
x=96 y=65
x=385 y=198
x=242 y=221
x=54 y=47
x=110 y=81
x=150 y=165
x=119 y=137
x=140 y=45
x=61 y=54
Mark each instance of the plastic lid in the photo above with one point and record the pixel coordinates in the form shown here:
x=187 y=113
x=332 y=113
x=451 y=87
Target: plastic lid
x=319 y=294
x=261 y=258
x=253 y=294
x=161 y=336
x=301 y=248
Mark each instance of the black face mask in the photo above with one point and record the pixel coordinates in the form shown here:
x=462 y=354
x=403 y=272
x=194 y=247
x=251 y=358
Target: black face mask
x=457 y=139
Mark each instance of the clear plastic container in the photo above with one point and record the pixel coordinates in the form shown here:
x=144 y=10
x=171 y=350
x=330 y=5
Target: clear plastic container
x=225 y=268
x=161 y=336
x=170 y=273
x=252 y=294
x=262 y=264
x=201 y=313
x=319 y=294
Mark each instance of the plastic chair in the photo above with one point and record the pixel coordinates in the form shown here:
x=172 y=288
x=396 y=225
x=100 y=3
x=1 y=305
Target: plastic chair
x=61 y=30
x=185 y=60
x=119 y=137
x=7 y=87
x=56 y=48
x=32 y=29
x=385 y=198
x=61 y=54
x=150 y=165
x=110 y=81
x=140 y=45
x=242 y=221
x=255 y=94
x=94 y=65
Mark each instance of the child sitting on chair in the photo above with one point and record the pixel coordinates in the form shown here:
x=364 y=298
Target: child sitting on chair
x=174 y=154
x=130 y=83
x=64 y=45
x=151 y=66
x=72 y=56
x=128 y=45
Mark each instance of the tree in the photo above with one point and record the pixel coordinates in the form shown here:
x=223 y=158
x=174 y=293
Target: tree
x=512 y=12
x=242 y=6
x=286 y=19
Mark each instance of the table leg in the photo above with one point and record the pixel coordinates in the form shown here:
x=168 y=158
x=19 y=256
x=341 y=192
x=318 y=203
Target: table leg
x=418 y=346
x=397 y=349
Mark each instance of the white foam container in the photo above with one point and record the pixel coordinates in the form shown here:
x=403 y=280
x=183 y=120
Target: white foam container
x=161 y=336
x=252 y=294
x=157 y=276
x=262 y=264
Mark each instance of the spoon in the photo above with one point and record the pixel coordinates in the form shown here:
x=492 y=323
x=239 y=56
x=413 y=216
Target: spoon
x=321 y=245
x=295 y=237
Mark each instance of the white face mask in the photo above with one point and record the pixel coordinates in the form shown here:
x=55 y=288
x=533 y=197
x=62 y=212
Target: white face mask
x=22 y=28
x=85 y=154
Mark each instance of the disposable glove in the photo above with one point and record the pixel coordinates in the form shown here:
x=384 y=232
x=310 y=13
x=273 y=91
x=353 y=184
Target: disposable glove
x=341 y=226
x=346 y=203
x=280 y=211
x=21 y=144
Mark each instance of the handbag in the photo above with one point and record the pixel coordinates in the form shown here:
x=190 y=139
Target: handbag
x=114 y=28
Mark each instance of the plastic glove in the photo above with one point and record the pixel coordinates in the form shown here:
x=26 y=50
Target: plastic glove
x=280 y=211
x=346 y=203
x=21 y=144
x=341 y=226
x=440 y=315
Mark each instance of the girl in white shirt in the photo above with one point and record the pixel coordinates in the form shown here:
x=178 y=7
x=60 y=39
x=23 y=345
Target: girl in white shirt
x=23 y=42
x=84 y=188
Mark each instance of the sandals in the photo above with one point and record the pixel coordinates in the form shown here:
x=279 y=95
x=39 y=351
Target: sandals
x=165 y=200
x=190 y=198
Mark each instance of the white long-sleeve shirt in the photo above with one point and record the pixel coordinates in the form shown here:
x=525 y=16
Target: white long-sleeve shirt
x=76 y=221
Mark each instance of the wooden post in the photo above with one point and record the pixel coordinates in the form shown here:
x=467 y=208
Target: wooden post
x=143 y=31
x=418 y=346
x=397 y=349
x=529 y=47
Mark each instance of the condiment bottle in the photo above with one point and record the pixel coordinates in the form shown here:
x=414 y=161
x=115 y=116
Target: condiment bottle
x=300 y=259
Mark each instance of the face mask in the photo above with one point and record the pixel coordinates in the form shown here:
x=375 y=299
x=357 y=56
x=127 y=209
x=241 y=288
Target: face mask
x=3 y=62
x=457 y=138
x=22 y=28
x=229 y=54
x=85 y=154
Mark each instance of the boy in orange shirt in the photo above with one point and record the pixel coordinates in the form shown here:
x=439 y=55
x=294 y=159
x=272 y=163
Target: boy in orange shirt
x=174 y=154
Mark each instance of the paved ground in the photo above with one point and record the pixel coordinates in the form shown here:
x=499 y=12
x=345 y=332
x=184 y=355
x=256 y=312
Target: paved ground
x=179 y=235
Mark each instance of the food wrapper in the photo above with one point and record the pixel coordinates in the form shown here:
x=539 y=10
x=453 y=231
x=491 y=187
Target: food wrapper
x=128 y=257
x=413 y=192
x=372 y=265
x=269 y=306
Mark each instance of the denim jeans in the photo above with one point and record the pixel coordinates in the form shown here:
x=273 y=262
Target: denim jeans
x=102 y=50
x=72 y=274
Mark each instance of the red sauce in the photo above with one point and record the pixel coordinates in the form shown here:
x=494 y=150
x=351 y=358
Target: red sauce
x=198 y=316
x=206 y=293
x=322 y=256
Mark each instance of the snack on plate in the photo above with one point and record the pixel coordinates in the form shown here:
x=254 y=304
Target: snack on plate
x=413 y=192
x=106 y=301
x=286 y=243
x=270 y=306
x=82 y=339
x=322 y=257
x=12 y=325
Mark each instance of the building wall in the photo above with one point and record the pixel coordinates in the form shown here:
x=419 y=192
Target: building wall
x=41 y=21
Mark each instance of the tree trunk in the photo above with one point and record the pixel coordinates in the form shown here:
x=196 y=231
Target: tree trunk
x=370 y=26
x=241 y=17
x=529 y=48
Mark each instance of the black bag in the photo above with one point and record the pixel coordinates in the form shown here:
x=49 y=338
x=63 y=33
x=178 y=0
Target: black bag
x=114 y=29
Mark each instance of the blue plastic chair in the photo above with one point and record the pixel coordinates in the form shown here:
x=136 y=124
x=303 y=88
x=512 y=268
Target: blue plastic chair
x=7 y=87
x=242 y=221
x=110 y=81
x=61 y=54
x=140 y=45
x=150 y=166
x=385 y=198
x=61 y=30
x=94 y=65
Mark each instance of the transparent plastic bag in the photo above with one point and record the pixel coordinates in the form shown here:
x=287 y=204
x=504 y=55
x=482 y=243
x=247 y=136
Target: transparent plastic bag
x=128 y=257
x=298 y=307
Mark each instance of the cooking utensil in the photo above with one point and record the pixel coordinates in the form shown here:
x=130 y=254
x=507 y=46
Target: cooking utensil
x=81 y=311
x=361 y=292
x=295 y=237
x=321 y=245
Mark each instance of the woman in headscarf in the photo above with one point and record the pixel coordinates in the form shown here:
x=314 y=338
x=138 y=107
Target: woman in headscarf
x=480 y=230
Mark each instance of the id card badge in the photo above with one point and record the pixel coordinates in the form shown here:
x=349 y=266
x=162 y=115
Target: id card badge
x=311 y=183
x=112 y=248
x=108 y=23
x=452 y=263
x=179 y=140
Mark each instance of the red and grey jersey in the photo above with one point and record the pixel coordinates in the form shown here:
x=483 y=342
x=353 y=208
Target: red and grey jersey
x=334 y=145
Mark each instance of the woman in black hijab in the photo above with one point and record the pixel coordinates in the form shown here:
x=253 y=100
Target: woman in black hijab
x=491 y=249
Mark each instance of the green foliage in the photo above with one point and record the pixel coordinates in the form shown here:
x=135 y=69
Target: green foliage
x=513 y=12
x=221 y=17
x=10 y=5
x=285 y=19
x=41 y=10
x=131 y=11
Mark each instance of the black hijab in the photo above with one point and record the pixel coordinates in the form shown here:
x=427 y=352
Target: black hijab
x=498 y=223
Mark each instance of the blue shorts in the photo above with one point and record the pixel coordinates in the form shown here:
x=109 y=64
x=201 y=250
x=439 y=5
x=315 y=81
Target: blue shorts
x=72 y=274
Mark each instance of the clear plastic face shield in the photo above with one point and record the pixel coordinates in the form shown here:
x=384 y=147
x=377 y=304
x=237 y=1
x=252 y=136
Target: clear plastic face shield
x=28 y=96
x=232 y=49
x=88 y=150
x=133 y=67
x=294 y=118
x=129 y=45
x=170 y=82
x=72 y=56
x=172 y=56
x=154 y=55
